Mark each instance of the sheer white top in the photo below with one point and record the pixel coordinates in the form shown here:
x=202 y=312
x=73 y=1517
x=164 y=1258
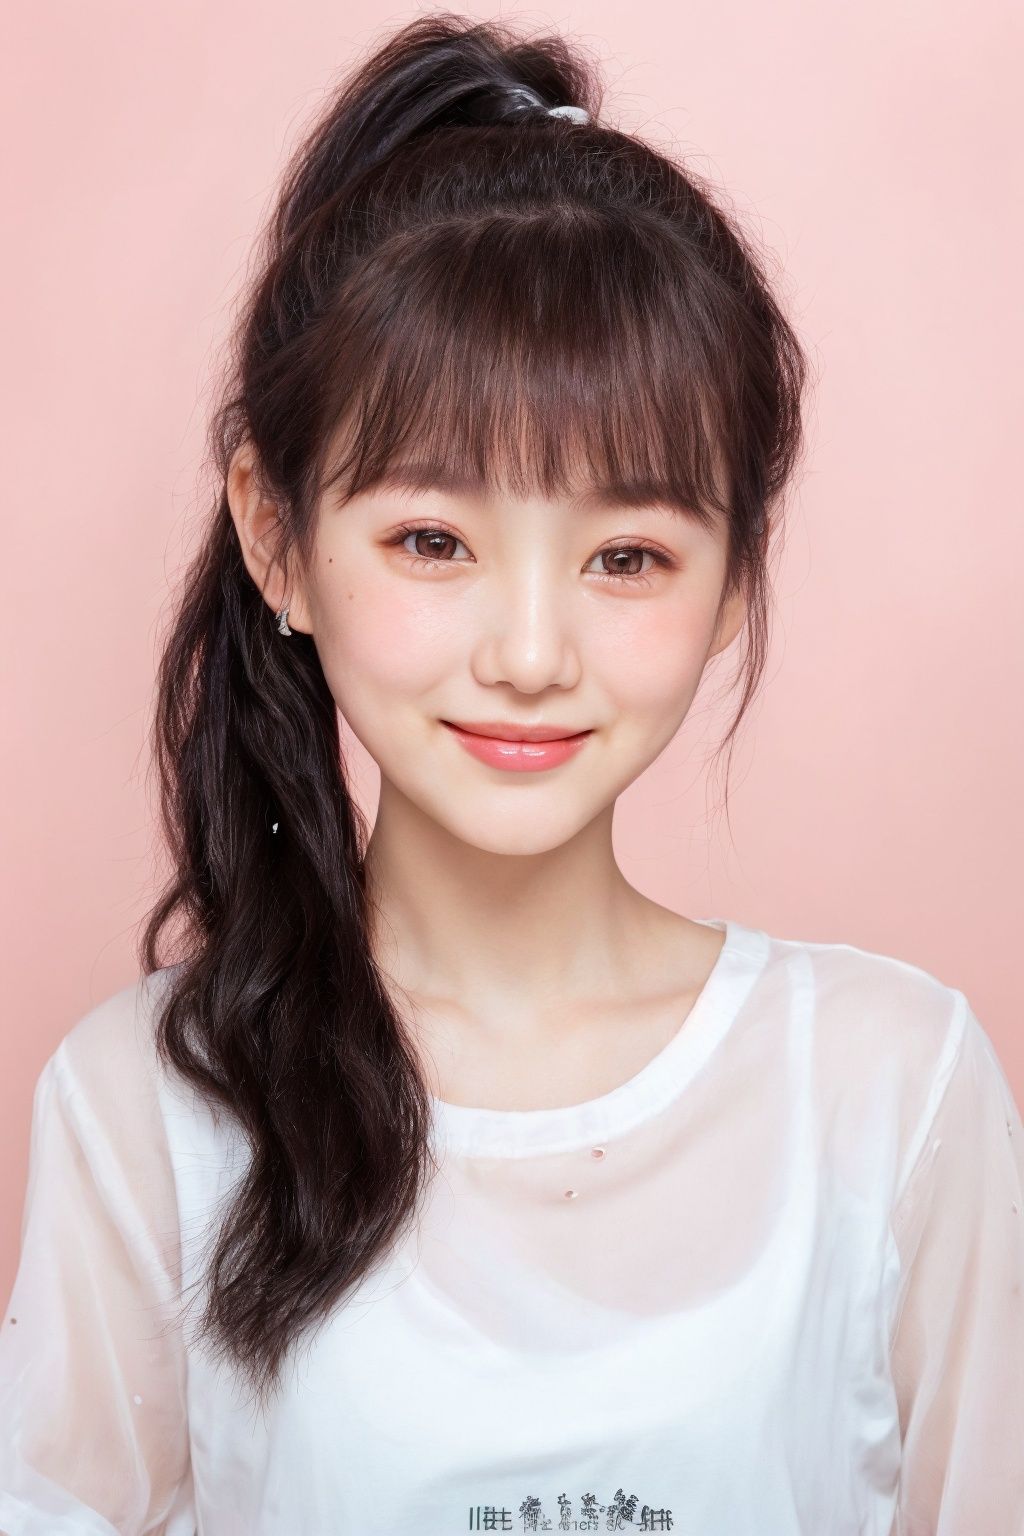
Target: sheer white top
x=772 y=1285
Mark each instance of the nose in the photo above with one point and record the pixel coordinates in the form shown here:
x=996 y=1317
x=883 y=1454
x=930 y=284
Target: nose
x=527 y=635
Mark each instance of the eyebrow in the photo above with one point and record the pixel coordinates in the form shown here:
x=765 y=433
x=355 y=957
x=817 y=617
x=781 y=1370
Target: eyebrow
x=424 y=475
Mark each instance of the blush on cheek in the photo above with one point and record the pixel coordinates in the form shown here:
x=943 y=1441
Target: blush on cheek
x=653 y=659
x=387 y=644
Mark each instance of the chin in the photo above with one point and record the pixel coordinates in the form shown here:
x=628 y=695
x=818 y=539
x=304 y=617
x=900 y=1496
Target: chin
x=517 y=835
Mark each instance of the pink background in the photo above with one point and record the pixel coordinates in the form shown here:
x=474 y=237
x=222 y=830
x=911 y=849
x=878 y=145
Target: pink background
x=876 y=792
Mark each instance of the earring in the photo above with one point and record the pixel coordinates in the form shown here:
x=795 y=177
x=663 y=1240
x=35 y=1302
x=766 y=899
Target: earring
x=282 y=622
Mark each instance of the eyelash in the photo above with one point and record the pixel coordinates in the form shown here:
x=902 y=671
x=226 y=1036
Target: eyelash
x=642 y=578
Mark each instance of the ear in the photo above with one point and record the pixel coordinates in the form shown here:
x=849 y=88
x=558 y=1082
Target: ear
x=730 y=621
x=260 y=532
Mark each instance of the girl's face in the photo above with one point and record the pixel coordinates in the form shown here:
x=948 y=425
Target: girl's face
x=432 y=604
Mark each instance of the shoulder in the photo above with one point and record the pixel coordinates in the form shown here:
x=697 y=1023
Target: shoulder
x=884 y=1035
x=105 y=1070
x=865 y=999
x=100 y=1155
x=117 y=1034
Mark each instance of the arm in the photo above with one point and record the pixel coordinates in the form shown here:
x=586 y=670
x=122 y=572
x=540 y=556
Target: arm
x=93 y=1424
x=958 y=1345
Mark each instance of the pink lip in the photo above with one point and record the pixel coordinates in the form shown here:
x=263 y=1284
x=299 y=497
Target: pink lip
x=518 y=755
x=499 y=730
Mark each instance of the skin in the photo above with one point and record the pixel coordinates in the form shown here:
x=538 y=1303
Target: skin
x=531 y=972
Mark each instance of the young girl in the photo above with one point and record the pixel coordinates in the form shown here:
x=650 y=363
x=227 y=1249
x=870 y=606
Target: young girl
x=437 y=1180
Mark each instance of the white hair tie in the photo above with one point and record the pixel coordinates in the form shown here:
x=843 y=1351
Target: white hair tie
x=531 y=99
x=578 y=114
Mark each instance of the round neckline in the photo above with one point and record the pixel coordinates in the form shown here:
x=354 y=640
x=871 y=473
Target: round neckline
x=468 y=1130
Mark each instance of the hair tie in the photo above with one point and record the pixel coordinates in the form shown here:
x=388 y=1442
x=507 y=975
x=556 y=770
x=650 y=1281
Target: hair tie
x=531 y=99
x=578 y=114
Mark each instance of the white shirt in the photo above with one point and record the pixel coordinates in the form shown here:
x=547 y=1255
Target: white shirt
x=787 y=1300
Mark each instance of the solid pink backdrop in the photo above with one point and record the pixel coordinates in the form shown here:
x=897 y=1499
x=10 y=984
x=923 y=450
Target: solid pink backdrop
x=872 y=149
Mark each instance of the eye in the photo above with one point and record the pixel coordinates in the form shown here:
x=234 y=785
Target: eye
x=431 y=546
x=626 y=561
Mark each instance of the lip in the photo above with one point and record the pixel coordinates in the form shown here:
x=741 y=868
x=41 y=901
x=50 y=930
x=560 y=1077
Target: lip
x=519 y=754
x=499 y=730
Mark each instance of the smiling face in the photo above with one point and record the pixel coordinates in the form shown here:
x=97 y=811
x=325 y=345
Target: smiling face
x=431 y=601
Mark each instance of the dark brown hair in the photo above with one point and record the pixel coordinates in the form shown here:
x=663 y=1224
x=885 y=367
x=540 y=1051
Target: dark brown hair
x=527 y=299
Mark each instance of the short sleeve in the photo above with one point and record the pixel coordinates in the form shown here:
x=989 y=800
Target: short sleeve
x=958 y=1347
x=93 y=1426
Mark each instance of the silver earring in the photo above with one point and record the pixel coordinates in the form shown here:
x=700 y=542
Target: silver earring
x=282 y=622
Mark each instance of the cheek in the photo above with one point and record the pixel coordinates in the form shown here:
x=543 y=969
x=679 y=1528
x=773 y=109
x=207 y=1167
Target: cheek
x=371 y=642
x=651 y=659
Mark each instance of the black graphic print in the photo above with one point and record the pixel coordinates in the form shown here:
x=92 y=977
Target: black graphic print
x=619 y=1515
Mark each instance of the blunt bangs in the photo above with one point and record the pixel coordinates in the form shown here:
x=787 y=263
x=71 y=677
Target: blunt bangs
x=542 y=353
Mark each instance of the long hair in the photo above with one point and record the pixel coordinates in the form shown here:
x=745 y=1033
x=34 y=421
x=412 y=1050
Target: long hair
x=451 y=270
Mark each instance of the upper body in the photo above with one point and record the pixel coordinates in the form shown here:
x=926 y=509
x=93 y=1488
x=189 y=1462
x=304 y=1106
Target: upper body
x=785 y=1294
x=500 y=454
